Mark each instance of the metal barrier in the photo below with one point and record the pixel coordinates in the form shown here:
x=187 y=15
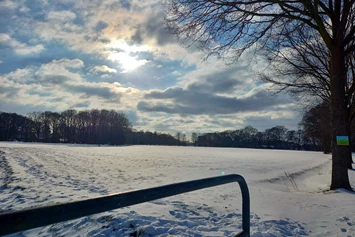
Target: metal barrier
x=32 y=218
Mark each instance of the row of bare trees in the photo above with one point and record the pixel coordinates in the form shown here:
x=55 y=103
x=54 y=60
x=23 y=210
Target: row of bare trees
x=13 y=125
x=86 y=127
x=111 y=127
x=277 y=137
x=91 y=127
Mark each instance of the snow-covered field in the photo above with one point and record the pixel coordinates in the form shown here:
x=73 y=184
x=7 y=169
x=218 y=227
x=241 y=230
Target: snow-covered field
x=287 y=188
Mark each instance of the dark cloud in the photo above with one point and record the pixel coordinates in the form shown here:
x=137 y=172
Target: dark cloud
x=222 y=81
x=88 y=91
x=169 y=93
x=55 y=100
x=9 y=91
x=100 y=26
x=55 y=80
x=137 y=38
x=165 y=127
x=104 y=40
x=223 y=123
x=197 y=103
x=154 y=28
x=126 y=4
x=184 y=121
x=84 y=104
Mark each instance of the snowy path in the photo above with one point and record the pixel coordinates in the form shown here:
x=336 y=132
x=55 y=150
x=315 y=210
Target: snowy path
x=286 y=188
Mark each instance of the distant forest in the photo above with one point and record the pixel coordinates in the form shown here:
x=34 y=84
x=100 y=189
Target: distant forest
x=113 y=128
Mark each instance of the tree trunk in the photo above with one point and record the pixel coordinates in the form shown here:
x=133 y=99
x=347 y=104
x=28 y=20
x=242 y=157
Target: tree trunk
x=350 y=158
x=340 y=115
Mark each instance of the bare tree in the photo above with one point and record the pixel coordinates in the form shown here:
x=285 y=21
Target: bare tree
x=316 y=123
x=178 y=137
x=194 y=138
x=304 y=70
x=227 y=28
x=69 y=124
x=37 y=126
x=54 y=123
x=183 y=138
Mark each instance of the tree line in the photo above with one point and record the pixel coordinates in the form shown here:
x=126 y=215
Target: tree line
x=114 y=128
x=277 y=137
x=70 y=126
x=314 y=134
x=83 y=127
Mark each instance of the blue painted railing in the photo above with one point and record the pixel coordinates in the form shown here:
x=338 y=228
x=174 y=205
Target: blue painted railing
x=12 y=222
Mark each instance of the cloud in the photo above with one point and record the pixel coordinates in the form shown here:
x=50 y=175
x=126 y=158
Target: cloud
x=94 y=89
x=59 y=84
x=153 y=28
x=220 y=80
x=20 y=75
x=61 y=16
x=9 y=91
x=8 y=4
x=103 y=69
x=117 y=54
x=80 y=105
x=56 y=72
x=18 y=47
x=23 y=108
x=215 y=89
x=100 y=26
x=20 y=98
x=191 y=101
x=89 y=26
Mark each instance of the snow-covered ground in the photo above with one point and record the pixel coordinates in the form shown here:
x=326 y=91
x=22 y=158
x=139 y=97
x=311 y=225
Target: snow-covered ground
x=287 y=188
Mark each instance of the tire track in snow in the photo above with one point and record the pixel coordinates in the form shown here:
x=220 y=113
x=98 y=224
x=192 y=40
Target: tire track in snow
x=50 y=170
x=10 y=193
x=288 y=178
x=37 y=179
x=5 y=172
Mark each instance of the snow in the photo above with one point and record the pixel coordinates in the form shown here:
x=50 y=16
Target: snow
x=288 y=190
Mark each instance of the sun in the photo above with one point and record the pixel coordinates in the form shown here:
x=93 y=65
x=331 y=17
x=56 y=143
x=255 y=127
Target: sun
x=121 y=52
x=127 y=62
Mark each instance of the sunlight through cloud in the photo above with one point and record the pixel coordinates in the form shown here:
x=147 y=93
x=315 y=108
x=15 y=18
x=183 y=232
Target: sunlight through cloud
x=128 y=63
x=122 y=53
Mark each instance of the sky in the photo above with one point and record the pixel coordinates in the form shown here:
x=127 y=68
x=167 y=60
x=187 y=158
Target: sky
x=118 y=54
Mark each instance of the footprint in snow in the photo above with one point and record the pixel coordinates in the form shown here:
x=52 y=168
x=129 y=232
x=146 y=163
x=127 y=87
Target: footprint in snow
x=178 y=214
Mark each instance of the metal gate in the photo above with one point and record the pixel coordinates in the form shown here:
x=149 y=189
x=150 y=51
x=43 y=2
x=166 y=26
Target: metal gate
x=32 y=218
